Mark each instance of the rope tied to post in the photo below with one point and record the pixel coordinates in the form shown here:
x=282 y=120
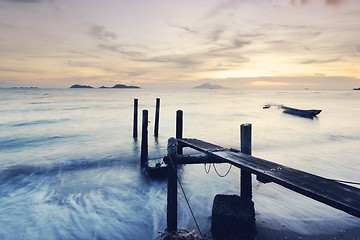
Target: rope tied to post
x=172 y=151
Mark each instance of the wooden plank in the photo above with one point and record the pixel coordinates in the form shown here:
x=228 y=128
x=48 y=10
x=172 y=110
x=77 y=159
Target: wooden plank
x=330 y=192
x=199 y=145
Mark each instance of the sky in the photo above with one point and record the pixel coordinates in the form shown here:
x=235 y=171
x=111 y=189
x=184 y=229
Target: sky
x=245 y=44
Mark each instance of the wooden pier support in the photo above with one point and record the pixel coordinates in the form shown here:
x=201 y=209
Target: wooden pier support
x=245 y=177
x=179 y=129
x=135 y=125
x=144 y=138
x=172 y=186
x=157 y=116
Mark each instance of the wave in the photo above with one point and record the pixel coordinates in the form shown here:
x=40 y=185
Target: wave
x=21 y=171
x=40 y=102
x=23 y=142
x=38 y=122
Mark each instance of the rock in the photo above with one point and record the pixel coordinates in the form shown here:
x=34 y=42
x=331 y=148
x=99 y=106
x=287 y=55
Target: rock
x=120 y=86
x=181 y=235
x=124 y=86
x=233 y=217
x=209 y=86
x=80 y=86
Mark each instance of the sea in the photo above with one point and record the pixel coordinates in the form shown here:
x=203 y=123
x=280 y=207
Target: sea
x=70 y=167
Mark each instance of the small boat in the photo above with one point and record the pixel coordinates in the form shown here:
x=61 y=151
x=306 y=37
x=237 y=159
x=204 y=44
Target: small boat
x=356 y=89
x=266 y=106
x=300 y=112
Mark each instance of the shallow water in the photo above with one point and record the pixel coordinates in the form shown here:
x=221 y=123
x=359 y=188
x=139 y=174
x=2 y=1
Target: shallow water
x=69 y=167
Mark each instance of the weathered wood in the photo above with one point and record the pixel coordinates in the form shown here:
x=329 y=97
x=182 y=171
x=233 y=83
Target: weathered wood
x=245 y=176
x=340 y=196
x=172 y=186
x=135 y=125
x=194 y=159
x=157 y=116
x=179 y=129
x=144 y=138
x=200 y=145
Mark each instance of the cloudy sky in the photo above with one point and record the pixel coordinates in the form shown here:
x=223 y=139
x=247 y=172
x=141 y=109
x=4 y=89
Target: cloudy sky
x=181 y=43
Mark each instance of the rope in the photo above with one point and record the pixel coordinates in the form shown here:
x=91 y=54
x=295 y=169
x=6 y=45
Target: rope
x=225 y=173
x=187 y=201
x=207 y=171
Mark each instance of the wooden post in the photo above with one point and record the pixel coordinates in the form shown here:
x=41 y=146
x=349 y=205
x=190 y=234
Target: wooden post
x=135 y=128
x=157 y=114
x=144 y=138
x=245 y=181
x=179 y=129
x=172 y=186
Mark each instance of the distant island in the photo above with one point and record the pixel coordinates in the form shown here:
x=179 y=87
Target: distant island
x=80 y=86
x=24 y=87
x=120 y=86
x=209 y=86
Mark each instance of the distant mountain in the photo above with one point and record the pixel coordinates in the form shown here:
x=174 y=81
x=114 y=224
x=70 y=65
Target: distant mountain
x=121 y=86
x=124 y=86
x=209 y=86
x=80 y=86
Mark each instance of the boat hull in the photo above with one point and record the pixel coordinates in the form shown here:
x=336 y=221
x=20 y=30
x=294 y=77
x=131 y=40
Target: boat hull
x=300 y=112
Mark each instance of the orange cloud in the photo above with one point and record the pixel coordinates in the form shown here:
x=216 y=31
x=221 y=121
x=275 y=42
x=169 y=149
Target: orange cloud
x=268 y=83
x=277 y=84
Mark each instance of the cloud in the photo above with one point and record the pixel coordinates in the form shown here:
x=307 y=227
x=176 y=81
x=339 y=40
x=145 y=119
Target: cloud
x=231 y=45
x=181 y=60
x=72 y=63
x=268 y=83
x=330 y=3
x=118 y=48
x=13 y=70
x=224 y=5
x=187 y=29
x=99 y=32
x=319 y=75
x=358 y=49
x=315 y=61
x=21 y=1
x=299 y=2
x=216 y=33
x=334 y=3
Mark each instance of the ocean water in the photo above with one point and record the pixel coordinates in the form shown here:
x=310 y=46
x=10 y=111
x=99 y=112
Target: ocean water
x=70 y=168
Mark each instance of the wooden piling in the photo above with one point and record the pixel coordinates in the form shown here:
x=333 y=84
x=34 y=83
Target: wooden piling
x=157 y=115
x=144 y=138
x=179 y=129
x=245 y=177
x=172 y=186
x=135 y=125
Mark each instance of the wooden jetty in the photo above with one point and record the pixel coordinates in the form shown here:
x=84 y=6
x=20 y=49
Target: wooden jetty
x=330 y=192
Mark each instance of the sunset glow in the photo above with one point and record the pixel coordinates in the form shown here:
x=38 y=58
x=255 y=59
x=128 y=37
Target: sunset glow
x=179 y=43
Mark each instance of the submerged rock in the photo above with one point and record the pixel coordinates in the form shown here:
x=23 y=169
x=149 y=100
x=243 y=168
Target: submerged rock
x=233 y=217
x=181 y=235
